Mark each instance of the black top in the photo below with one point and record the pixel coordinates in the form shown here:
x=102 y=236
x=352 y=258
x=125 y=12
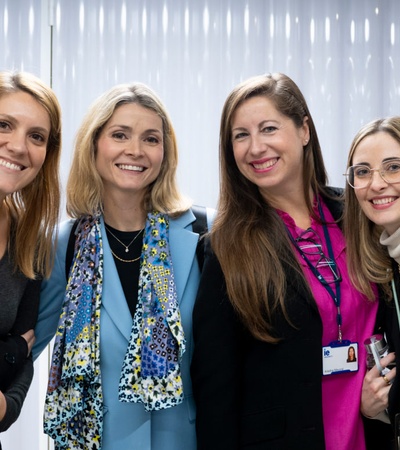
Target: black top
x=19 y=308
x=128 y=271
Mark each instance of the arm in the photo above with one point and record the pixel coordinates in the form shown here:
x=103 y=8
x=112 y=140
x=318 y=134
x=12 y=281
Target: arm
x=52 y=294
x=217 y=362
x=12 y=399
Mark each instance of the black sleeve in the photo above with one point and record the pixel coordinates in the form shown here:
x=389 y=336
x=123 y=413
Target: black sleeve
x=28 y=308
x=13 y=353
x=13 y=347
x=16 y=393
x=217 y=363
x=16 y=368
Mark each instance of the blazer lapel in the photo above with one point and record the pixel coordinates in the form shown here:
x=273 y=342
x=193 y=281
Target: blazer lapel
x=113 y=298
x=183 y=244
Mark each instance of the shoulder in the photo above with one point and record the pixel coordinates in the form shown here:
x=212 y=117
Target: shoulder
x=334 y=200
x=188 y=217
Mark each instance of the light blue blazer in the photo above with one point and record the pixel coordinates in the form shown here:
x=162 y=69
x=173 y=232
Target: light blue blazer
x=128 y=426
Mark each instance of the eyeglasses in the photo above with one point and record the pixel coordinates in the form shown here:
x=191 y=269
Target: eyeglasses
x=309 y=244
x=360 y=176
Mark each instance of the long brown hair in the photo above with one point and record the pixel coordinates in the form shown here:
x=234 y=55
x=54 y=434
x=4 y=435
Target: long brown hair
x=368 y=260
x=35 y=208
x=248 y=237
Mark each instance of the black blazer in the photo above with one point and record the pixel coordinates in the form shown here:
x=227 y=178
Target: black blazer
x=393 y=337
x=250 y=394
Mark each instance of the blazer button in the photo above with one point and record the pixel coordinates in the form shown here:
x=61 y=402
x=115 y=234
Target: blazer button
x=9 y=358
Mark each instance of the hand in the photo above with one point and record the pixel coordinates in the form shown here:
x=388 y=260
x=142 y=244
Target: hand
x=375 y=390
x=29 y=336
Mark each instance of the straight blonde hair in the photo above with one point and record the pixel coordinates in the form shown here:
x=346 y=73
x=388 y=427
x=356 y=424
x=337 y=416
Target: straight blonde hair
x=85 y=187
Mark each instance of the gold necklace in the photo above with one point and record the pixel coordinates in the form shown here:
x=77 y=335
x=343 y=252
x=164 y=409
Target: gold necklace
x=126 y=246
x=125 y=260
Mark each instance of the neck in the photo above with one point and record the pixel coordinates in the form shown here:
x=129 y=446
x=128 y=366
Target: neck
x=124 y=217
x=294 y=204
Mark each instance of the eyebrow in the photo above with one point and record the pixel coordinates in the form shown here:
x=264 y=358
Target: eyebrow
x=37 y=128
x=390 y=158
x=129 y=128
x=260 y=125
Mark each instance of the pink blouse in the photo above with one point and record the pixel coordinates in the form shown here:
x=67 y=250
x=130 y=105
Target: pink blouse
x=341 y=393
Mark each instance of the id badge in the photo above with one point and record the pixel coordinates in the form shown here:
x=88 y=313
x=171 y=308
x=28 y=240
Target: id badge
x=339 y=357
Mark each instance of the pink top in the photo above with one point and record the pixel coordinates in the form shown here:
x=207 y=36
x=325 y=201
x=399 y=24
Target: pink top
x=341 y=393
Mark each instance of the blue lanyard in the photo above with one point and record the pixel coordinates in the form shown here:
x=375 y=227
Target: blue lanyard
x=336 y=296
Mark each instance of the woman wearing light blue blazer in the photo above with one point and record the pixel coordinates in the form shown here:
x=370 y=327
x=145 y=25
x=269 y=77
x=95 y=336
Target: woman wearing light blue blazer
x=119 y=376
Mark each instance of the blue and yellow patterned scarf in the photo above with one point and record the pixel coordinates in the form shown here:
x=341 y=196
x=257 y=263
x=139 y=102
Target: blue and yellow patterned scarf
x=151 y=370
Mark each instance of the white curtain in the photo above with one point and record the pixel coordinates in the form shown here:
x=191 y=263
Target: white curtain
x=344 y=55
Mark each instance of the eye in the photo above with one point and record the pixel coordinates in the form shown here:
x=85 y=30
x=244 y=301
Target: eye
x=37 y=137
x=392 y=166
x=119 y=135
x=239 y=136
x=152 y=139
x=361 y=171
x=269 y=129
x=4 y=125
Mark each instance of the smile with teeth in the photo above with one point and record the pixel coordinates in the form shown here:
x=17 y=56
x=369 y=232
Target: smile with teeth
x=383 y=201
x=266 y=164
x=130 y=167
x=10 y=165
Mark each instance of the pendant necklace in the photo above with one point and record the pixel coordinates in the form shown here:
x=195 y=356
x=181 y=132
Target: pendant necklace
x=126 y=246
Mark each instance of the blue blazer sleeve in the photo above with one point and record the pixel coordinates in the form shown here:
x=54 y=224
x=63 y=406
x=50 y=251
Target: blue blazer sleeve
x=52 y=293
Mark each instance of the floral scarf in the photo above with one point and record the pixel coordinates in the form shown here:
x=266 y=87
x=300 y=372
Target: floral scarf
x=150 y=373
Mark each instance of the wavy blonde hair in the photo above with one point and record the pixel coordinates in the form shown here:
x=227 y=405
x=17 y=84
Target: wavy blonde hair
x=34 y=210
x=85 y=187
x=368 y=260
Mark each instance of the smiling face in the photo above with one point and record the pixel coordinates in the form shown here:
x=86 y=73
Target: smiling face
x=268 y=147
x=379 y=200
x=24 y=134
x=130 y=151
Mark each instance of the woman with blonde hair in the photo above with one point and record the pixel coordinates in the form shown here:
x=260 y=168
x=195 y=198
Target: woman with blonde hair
x=30 y=146
x=372 y=224
x=119 y=376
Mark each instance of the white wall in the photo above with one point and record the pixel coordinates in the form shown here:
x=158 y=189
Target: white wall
x=344 y=55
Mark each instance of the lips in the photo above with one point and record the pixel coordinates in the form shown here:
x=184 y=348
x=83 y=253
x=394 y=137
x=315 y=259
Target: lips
x=130 y=167
x=383 y=201
x=10 y=165
x=265 y=164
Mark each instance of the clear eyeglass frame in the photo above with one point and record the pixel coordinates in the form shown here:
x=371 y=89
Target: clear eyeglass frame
x=360 y=176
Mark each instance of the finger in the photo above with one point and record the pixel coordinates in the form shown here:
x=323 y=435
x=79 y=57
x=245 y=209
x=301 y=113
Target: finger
x=388 y=359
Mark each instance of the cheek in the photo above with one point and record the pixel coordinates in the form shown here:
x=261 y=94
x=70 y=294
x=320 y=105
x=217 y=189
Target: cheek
x=360 y=195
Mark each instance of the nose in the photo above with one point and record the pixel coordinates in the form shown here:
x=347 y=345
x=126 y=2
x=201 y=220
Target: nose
x=256 y=145
x=134 y=148
x=16 y=142
x=377 y=181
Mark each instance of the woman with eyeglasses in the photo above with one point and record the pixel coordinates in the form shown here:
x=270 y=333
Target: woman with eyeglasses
x=276 y=311
x=372 y=228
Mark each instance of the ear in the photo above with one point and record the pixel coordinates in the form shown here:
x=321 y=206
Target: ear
x=305 y=131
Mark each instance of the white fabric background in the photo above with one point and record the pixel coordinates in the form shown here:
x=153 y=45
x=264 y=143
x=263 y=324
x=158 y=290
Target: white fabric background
x=344 y=55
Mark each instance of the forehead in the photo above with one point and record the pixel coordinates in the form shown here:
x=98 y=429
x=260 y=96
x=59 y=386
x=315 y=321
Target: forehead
x=259 y=104
x=24 y=107
x=133 y=112
x=376 y=147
